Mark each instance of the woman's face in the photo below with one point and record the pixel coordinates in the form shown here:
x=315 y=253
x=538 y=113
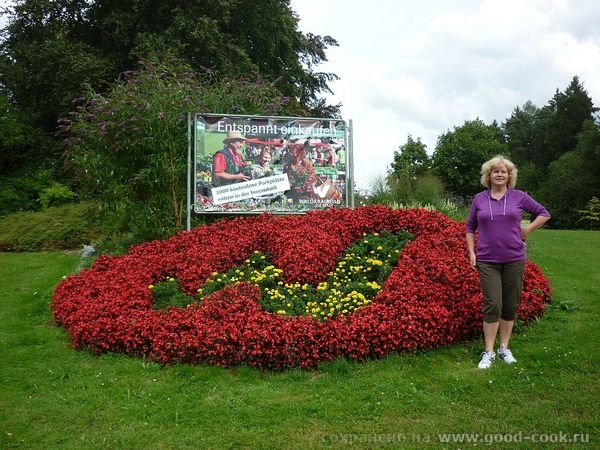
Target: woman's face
x=499 y=176
x=265 y=158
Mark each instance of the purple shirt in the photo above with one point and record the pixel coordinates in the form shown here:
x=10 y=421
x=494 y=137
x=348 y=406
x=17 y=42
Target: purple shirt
x=499 y=224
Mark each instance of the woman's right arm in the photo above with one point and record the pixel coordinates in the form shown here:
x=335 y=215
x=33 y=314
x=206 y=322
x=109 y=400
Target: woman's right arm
x=471 y=247
x=471 y=226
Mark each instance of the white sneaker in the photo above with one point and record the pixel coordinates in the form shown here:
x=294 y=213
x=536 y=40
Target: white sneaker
x=506 y=355
x=487 y=359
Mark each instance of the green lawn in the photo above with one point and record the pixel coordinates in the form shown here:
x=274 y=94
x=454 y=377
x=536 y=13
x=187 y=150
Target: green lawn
x=52 y=396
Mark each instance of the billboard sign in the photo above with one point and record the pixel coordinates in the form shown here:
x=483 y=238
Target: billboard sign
x=246 y=164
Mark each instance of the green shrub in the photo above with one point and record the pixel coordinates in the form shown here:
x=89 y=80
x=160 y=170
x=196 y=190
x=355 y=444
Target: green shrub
x=55 y=228
x=56 y=195
x=381 y=193
x=429 y=189
x=21 y=191
x=426 y=192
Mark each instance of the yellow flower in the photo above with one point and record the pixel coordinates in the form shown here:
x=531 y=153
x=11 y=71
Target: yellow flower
x=171 y=279
x=281 y=312
x=150 y=286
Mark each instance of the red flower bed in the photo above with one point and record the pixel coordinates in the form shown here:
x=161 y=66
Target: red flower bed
x=431 y=298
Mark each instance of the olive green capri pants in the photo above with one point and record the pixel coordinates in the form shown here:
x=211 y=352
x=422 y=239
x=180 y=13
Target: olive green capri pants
x=501 y=285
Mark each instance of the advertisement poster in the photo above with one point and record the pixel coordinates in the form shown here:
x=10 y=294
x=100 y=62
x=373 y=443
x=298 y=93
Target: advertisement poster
x=277 y=164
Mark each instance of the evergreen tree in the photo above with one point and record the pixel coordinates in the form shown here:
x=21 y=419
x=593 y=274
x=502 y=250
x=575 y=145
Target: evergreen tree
x=519 y=130
x=560 y=124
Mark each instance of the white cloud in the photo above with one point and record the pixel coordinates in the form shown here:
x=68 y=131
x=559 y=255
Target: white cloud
x=422 y=68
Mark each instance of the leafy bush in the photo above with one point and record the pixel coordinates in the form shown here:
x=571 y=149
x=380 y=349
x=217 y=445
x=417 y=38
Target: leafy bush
x=426 y=192
x=21 y=191
x=55 y=228
x=56 y=195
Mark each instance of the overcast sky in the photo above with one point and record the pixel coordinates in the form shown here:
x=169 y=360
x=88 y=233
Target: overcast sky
x=424 y=67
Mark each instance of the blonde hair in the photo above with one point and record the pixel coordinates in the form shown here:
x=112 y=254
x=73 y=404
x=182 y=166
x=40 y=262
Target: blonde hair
x=499 y=160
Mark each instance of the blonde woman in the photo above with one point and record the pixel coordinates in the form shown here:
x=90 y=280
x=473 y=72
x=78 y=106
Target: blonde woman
x=499 y=254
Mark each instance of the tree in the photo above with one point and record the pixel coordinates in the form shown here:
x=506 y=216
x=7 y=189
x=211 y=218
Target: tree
x=12 y=134
x=412 y=161
x=23 y=173
x=52 y=46
x=127 y=148
x=588 y=145
x=459 y=154
x=44 y=60
x=591 y=213
x=519 y=130
x=559 y=124
x=571 y=150
x=570 y=184
x=55 y=52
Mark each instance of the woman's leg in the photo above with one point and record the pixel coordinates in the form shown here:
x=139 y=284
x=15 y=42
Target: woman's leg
x=505 y=327
x=512 y=284
x=490 y=277
x=490 y=329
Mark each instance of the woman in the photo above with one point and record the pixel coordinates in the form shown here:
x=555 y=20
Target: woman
x=300 y=171
x=500 y=255
x=262 y=167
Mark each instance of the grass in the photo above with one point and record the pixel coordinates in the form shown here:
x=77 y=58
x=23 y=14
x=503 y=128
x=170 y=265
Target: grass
x=52 y=396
